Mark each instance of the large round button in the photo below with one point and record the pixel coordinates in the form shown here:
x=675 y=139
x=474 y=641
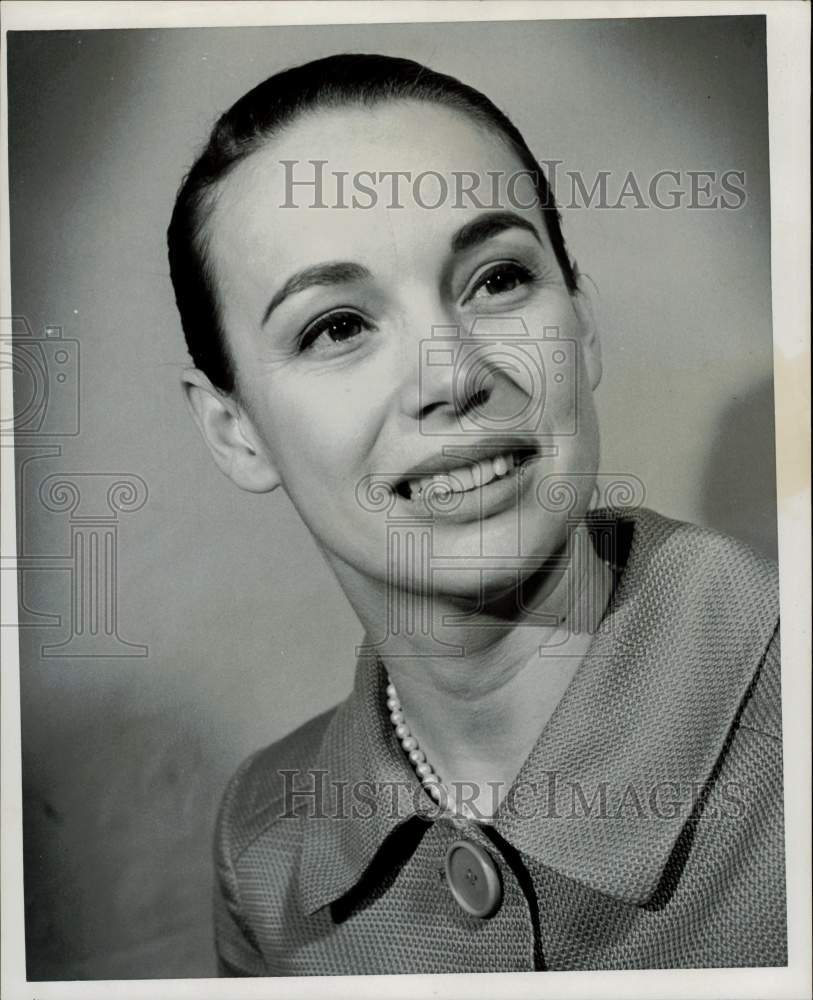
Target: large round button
x=473 y=878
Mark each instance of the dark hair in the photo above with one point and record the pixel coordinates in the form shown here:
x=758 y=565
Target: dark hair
x=335 y=81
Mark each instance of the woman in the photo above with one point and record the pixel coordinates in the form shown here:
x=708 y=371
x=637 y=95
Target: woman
x=562 y=749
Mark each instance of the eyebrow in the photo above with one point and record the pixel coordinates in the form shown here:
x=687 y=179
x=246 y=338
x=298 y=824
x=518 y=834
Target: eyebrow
x=486 y=226
x=343 y=272
x=336 y=273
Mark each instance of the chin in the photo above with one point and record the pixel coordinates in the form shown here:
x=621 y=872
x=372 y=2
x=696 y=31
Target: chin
x=493 y=565
x=481 y=589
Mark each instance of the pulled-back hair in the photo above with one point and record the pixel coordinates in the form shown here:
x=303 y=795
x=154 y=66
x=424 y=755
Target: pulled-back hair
x=333 y=82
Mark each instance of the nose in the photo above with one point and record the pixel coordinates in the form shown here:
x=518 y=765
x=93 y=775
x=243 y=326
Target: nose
x=436 y=390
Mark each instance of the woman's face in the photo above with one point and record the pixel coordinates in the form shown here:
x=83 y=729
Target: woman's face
x=330 y=314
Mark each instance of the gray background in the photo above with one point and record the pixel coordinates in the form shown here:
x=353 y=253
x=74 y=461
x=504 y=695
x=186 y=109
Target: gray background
x=124 y=759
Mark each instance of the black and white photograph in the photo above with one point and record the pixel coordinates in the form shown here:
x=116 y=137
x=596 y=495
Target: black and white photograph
x=406 y=539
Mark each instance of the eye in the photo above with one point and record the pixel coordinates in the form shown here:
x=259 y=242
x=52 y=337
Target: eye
x=333 y=331
x=500 y=280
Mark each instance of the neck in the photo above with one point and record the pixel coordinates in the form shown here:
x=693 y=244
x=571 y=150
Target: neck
x=478 y=703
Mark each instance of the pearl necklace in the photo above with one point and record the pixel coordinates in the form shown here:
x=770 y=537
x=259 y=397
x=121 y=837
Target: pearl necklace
x=471 y=874
x=429 y=779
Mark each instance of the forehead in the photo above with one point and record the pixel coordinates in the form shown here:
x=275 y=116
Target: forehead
x=407 y=136
x=270 y=213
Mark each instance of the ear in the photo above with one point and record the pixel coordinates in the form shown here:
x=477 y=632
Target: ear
x=591 y=344
x=230 y=435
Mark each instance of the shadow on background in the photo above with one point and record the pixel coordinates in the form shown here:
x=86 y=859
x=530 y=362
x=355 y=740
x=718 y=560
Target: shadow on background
x=739 y=485
x=117 y=855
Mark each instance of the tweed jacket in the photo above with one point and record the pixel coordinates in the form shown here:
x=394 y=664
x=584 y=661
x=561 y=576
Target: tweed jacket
x=645 y=829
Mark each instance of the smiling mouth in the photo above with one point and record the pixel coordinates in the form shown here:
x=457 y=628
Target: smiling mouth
x=467 y=478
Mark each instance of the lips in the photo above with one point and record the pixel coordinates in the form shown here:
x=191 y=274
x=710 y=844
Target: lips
x=446 y=475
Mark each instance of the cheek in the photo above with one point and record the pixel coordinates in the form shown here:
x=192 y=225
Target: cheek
x=318 y=430
x=574 y=407
x=565 y=379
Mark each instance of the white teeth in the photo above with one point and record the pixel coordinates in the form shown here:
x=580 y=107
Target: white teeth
x=443 y=485
x=466 y=478
x=487 y=473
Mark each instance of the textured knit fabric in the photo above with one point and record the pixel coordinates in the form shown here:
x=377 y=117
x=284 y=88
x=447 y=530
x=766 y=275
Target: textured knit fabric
x=644 y=831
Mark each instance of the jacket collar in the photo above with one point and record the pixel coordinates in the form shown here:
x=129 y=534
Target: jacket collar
x=609 y=785
x=359 y=751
